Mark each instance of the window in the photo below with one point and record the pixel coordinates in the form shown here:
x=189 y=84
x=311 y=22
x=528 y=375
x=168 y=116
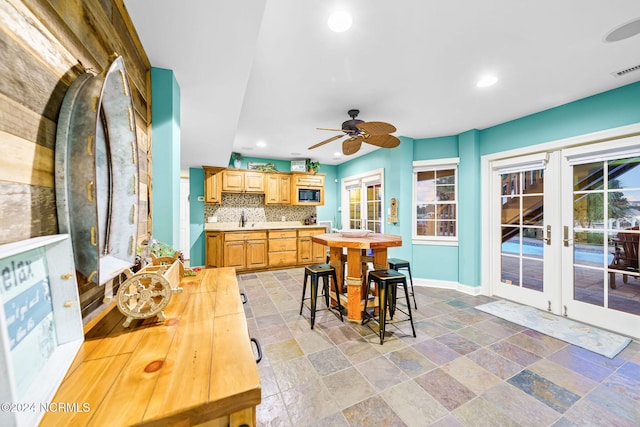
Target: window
x=435 y=200
x=363 y=196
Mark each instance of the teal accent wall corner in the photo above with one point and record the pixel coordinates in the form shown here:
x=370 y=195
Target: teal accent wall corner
x=331 y=195
x=469 y=207
x=196 y=216
x=165 y=113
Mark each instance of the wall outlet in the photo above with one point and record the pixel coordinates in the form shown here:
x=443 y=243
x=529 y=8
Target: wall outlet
x=283 y=218
x=213 y=219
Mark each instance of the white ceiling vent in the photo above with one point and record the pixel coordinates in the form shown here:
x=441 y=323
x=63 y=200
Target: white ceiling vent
x=626 y=71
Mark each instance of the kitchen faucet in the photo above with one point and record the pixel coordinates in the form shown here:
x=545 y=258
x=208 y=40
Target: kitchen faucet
x=243 y=220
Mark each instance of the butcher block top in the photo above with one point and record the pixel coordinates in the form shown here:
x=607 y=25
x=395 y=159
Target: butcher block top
x=197 y=365
x=371 y=241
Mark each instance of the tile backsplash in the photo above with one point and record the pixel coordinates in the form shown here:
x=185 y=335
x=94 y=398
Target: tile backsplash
x=254 y=209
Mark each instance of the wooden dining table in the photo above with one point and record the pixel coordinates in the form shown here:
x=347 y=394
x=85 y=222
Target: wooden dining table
x=357 y=248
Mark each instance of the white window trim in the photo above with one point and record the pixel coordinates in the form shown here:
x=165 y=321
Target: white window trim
x=432 y=165
x=357 y=180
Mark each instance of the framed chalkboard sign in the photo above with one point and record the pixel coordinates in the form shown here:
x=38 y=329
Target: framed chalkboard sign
x=40 y=325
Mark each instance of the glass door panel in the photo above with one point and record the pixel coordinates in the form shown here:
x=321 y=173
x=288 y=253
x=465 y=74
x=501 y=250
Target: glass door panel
x=602 y=243
x=606 y=206
x=522 y=217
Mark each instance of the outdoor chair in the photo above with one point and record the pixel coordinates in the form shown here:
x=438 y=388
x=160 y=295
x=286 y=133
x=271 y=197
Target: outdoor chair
x=625 y=256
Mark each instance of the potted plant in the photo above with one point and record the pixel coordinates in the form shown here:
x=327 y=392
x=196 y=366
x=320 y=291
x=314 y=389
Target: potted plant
x=236 y=158
x=313 y=166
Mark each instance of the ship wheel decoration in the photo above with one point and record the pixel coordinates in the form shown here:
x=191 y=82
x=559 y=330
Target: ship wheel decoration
x=144 y=295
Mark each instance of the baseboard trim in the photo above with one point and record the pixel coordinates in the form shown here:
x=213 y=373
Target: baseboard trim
x=447 y=284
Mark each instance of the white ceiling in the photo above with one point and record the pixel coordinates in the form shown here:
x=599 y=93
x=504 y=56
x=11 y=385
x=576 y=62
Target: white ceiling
x=272 y=71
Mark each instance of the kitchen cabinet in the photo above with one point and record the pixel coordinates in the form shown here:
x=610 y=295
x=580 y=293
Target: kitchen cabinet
x=212 y=186
x=245 y=249
x=307 y=189
x=240 y=181
x=277 y=189
x=282 y=248
x=213 y=249
x=308 y=251
x=264 y=249
x=308 y=180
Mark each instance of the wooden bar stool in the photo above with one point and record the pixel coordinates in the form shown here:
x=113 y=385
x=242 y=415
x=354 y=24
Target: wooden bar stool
x=317 y=271
x=396 y=264
x=386 y=281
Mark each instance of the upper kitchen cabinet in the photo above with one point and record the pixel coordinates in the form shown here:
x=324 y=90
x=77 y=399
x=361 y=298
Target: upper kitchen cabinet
x=307 y=189
x=212 y=185
x=240 y=181
x=277 y=189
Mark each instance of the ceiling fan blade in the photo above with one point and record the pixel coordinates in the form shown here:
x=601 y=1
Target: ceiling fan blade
x=376 y=128
x=335 y=130
x=326 y=141
x=384 y=141
x=351 y=145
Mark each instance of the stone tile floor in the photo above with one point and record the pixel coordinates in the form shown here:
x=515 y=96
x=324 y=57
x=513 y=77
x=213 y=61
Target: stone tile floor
x=464 y=368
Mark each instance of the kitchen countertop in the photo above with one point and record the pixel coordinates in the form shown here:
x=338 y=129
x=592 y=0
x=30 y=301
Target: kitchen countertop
x=279 y=225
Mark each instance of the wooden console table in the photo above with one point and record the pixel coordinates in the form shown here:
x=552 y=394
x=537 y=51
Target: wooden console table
x=196 y=367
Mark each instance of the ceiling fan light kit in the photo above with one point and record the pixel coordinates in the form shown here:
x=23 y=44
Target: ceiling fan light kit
x=358 y=131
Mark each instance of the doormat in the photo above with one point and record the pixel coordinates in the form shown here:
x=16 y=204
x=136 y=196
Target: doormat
x=588 y=337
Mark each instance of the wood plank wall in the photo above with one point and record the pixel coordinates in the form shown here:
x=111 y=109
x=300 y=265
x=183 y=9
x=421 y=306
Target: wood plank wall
x=44 y=46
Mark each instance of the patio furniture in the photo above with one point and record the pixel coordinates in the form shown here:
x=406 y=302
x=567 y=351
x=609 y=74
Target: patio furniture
x=625 y=257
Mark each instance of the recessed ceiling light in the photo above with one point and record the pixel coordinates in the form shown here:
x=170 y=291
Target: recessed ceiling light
x=261 y=144
x=486 y=81
x=295 y=154
x=339 y=21
x=337 y=154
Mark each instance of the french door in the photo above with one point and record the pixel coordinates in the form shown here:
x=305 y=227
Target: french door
x=525 y=216
x=363 y=196
x=565 y=227
x=600 y=216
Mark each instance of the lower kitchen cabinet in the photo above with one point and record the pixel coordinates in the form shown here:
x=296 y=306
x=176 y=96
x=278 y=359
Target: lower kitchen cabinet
x=308 y=251
x=245 y=250
x=214 y=249
x=282 y=248
x=262 y=249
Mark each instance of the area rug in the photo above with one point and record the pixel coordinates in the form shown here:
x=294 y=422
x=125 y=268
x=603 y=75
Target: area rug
x=588 y=337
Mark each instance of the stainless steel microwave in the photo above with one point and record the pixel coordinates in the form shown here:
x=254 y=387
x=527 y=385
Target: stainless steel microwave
x=309 y=195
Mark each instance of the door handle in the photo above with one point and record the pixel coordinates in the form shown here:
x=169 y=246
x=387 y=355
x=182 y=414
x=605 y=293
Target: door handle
x=566 y=238
x=547 y=237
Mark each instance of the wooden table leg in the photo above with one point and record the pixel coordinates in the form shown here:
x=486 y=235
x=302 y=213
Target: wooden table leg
x=335 y=260
x=380 y=259
x=354 y=284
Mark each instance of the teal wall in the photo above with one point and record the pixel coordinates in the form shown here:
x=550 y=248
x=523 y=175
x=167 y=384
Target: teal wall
x=395 y=162
x=607 y=110
x=165 y=118
x=331 y=195
x=196 y=216
x=462 y=264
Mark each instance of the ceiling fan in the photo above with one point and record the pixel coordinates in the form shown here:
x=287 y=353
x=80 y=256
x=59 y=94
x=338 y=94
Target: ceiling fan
x=359 y=131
